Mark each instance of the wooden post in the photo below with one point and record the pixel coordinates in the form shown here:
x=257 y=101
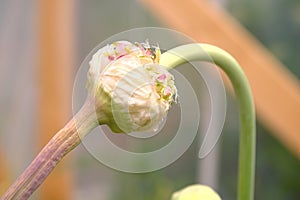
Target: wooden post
x=56 y=55
x=4 y=174
x=276 y=90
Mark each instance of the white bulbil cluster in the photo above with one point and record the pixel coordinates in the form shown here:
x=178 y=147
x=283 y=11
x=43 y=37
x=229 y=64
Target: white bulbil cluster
x=138 y=91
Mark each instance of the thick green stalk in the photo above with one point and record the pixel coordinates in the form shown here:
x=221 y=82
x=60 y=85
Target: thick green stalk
x=209 y=53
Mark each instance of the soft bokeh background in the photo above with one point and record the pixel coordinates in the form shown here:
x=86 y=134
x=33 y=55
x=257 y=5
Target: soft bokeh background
x=274 y=23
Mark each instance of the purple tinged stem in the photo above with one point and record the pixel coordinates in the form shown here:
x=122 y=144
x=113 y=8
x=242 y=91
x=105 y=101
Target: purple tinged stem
x=62 y=143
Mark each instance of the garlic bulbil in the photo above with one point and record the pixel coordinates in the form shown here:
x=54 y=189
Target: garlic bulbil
x=134 y=91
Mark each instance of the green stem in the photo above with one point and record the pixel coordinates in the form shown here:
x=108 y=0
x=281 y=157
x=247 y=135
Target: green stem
x=209 y=53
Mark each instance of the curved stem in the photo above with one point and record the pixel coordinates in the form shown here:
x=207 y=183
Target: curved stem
x=62 y=143
x=209 y=53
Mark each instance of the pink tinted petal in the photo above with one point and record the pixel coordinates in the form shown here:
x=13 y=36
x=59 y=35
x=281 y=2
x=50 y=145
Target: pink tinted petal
x=167 y=91
x=124 y=48
x=148 y=53
x=120 y=49
x=162 y=77
x=143 y=50
x=111 y=57
x=120 y=56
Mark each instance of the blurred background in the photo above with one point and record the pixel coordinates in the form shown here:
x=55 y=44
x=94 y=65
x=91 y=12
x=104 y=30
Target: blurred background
x=43 y=43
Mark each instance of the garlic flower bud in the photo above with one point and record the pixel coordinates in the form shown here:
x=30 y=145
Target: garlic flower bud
x=196 y=192
x=137 y=92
